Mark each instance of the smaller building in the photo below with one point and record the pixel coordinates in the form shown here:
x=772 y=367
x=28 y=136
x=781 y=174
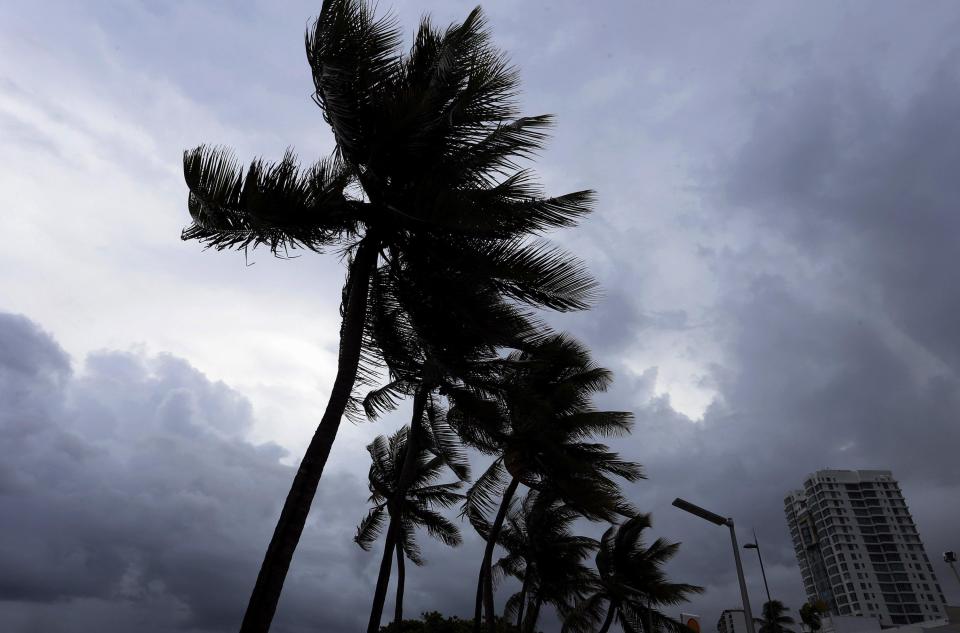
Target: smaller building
x=733 y=621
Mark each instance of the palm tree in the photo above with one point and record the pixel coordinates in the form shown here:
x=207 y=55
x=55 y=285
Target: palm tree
x=407 y=510
x=631 y=584
x=810 y=614
x=424 y=169
x=536 y=423
x=545 y=556
x=775 y=618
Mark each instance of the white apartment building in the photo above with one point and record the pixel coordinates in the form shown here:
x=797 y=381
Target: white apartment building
x=733 y=621
x=859 y=550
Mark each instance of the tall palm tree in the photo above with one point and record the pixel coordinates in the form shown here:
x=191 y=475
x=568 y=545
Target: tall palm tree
x=775 y=618
x=631 y=585
x=545 y=556
x=409 y=509
x=536 y=418
x=425 y=167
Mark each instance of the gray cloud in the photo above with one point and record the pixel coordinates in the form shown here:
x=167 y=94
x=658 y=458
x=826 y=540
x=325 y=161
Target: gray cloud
x=128 y=494
x=866 y=184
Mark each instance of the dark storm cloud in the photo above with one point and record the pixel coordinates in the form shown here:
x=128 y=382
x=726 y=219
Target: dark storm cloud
x=868 y=183
x=129 y=498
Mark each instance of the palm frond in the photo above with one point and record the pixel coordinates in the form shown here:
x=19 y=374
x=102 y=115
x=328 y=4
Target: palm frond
x=370 y=528
x=384 y=399
x=354 y=60
x=441 y=495
x=438 y=526
x=484 y=495
x=276 y=205
x=408 y=542
x=512 y=607
x=500 y=151
x=445 y=442
x=599 y=423
x=587 y=614
x=540 y=274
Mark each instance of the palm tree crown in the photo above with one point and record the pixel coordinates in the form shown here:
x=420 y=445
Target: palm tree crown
x=631 y=583
x=775 y=618
x=538 y=422
x=417 y=507
x=536 y=416
x=810 y=615
x=546 y=556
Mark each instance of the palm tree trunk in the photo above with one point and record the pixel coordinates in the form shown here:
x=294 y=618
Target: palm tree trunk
x=286 y=535
x=407 y=473
x=533 y=617
x=485 y=582
x=401 y=573
x=523 y=597
x=611 y=610
x=383 y=579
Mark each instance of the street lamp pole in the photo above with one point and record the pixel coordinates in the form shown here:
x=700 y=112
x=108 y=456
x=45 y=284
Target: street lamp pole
x=756 y=545
x=716 y=519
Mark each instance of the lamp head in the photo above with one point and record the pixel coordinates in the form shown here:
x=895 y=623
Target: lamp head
x=696 y=510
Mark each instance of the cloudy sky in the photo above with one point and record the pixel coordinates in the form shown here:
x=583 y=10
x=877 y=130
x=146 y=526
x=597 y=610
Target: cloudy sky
x=776 y=237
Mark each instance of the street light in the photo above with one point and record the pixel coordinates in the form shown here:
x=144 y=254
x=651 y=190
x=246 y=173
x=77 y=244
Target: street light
x=756 y=545
x=716 y=519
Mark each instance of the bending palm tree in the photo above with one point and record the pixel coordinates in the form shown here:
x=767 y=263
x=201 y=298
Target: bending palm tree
x=775 y=618
x=425 y=158
x=631 y=583
x=407 y=510
x=537 y=421
x=546 y=557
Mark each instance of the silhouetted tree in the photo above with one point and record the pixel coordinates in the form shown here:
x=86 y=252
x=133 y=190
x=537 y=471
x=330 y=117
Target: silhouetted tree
x=408 y=509
x=810 y=615
x=537 y=418
x=775 y=618
x=545 y=556
x=631 y=586
x=434 y=622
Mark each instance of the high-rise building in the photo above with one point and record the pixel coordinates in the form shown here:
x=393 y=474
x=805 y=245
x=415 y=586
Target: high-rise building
x=859 y=550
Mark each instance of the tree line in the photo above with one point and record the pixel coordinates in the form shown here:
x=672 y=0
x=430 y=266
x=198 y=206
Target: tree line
x=448 y=269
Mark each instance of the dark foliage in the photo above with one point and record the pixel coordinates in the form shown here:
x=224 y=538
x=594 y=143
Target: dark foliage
x=434 y=622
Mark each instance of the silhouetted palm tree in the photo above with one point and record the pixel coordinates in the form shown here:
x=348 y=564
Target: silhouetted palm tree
x=631 y=585
x=810 y=614
x=424 y=173
x=775 y=618
x=407 y=510
x=545 y=556
x=536 y=417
